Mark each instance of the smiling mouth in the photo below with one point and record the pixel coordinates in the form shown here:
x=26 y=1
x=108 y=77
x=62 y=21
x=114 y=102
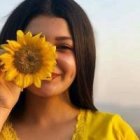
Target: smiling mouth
x=54 y=75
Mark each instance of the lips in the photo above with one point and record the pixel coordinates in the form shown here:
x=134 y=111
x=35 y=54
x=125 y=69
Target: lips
x=54 y=75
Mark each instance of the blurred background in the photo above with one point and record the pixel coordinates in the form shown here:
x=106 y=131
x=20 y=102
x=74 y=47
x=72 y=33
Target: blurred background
x=116 y=25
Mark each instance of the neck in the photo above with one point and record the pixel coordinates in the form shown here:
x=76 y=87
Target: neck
x=40 y=110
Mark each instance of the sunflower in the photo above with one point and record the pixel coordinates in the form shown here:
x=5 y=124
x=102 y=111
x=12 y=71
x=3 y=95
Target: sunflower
x=28 y=60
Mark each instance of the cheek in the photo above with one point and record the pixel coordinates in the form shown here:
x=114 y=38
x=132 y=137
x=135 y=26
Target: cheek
x=66 y=62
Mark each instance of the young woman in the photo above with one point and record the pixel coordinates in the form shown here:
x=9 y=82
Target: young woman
x=62 y=108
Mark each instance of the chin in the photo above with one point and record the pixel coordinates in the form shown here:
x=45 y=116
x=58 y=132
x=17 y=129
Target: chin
x=43 y=91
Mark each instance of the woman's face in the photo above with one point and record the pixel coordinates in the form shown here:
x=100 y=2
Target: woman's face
x=57 y=32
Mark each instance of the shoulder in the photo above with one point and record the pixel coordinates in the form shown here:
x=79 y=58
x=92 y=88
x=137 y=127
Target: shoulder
x=104 y=118
x=108 y=125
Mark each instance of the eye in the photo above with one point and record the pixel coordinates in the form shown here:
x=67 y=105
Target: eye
x=63 y=48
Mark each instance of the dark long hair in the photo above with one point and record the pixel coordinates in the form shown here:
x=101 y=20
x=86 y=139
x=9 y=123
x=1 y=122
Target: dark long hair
x=81 y=90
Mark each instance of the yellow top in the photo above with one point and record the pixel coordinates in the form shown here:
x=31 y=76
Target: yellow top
x=90 y=126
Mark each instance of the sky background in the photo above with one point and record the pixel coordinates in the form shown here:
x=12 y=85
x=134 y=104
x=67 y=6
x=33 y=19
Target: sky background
x=116 y=25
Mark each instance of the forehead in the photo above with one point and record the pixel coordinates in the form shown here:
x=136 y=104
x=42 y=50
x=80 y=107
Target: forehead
x=49 y=26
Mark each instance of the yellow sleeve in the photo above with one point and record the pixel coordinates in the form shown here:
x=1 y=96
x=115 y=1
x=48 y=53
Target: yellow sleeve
x=122 y=130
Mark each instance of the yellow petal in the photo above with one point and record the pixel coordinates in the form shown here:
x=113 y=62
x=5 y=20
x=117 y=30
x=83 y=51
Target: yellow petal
x=28 y=38
x=13 y=45
x=11 y=74
x=6 y=57
x=36 y=40
x=20 y=37
x=20 y=34
x=37 y=36
x=37 y=82
x=19 y=80
x=48 y=76
x=7 y=49
x=43 y=39
x=28 y=80
x=28 y=34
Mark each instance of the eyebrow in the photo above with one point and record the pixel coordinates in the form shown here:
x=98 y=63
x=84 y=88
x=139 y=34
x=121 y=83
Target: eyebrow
x=59 y=38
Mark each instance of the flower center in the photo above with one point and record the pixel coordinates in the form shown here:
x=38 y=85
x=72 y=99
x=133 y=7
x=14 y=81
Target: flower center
x=28 y=60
